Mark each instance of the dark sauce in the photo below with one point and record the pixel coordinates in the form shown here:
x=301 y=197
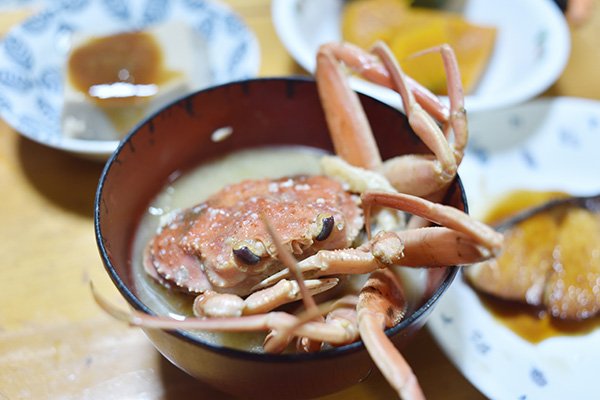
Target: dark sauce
x=534 y=324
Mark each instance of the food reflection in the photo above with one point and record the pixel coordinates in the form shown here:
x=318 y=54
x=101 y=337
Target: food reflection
x=408 y=30
x=551 y=262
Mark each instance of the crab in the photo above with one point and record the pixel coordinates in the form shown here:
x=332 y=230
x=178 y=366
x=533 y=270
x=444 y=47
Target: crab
x=258 y=244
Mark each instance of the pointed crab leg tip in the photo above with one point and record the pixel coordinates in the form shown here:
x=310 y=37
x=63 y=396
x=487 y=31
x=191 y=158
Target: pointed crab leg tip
x=111 y=309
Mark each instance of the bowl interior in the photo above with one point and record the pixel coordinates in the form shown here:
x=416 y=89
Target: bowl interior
x=261 y=112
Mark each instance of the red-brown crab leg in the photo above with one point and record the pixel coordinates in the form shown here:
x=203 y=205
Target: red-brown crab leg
x=341 y=313
x=411 y=174
x=352 y=136
x=461 y=240
x=213 y=304
x=252 y=323
x=370 y=67
x=382 y=305
x=348 y=125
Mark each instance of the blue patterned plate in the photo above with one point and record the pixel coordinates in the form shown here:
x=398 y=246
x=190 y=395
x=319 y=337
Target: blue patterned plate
x=33 y=54
x=547 y=144
x=9 y=5
x=532 y=45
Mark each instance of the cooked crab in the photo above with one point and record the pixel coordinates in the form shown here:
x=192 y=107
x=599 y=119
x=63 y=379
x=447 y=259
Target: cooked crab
x=231 y=250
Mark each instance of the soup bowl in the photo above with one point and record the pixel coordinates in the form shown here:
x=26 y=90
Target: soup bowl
x=261 y=112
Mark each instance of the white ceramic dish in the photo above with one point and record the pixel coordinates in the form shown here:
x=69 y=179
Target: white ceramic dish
x=532 y=46
x=32 y=57
x=547 y=144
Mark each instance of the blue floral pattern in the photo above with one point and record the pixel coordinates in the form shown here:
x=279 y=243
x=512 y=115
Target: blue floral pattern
x=32 y=55
x=118 y=9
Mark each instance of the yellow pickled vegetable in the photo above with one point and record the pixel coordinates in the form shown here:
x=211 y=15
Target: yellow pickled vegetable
x=409 y=30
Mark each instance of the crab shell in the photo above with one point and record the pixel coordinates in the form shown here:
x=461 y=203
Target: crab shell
x=223 y=244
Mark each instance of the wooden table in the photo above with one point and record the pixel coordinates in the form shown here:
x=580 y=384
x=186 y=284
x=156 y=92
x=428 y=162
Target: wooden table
x=56 y=343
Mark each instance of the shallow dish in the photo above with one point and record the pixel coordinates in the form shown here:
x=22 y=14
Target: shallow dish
x=531 y=50
x=547 y=144
x=284 y=112
x=32 y=57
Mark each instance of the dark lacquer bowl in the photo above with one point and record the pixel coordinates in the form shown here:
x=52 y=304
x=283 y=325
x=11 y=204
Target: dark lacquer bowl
x=279 y=111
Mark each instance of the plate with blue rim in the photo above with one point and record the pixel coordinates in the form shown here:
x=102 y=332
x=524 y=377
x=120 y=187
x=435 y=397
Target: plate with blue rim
x=33 y=56
x=548 y=144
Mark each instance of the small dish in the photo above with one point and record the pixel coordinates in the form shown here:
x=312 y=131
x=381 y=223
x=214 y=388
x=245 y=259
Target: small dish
x=531 y=50
x=179 y=138
x=546 y=144
x=34 y=53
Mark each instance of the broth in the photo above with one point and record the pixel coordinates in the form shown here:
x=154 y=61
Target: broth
x=195 y=186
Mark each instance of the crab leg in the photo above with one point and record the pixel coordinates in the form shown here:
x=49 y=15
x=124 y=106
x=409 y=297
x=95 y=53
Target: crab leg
x=348 y=124
x=304 y=343
x=251 y=323
x=352 y=135
x=382 y=305
x=369 y=67
x=408 y=174
x=213 y=304
x=340 y=313
x=488 y=239
x=461 y=240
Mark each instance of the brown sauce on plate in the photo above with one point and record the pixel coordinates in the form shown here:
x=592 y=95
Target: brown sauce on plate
x=118 y=72
x=533 y=324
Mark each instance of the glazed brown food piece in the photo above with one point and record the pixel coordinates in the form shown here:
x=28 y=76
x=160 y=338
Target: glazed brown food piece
x=520 y=273
x=573 y=289
x=551 y=260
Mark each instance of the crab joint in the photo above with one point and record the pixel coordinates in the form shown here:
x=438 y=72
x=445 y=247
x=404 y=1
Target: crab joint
x=326 y=223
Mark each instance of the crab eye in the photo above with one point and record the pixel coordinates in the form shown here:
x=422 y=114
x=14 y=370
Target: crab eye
x=246 y=255
x=326 y=222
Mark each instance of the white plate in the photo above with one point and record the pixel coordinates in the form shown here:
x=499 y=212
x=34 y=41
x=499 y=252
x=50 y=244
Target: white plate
x=32 y=57
x=547 y=144
x=531 y=50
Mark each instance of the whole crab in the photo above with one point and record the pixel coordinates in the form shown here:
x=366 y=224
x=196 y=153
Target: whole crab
x=233 y=250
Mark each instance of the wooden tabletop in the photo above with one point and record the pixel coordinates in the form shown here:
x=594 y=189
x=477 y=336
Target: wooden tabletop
x=56 y=343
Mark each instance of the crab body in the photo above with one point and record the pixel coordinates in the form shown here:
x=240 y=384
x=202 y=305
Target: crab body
x=223 y=245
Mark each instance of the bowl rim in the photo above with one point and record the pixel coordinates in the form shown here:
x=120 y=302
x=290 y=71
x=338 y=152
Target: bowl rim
x=193 y=339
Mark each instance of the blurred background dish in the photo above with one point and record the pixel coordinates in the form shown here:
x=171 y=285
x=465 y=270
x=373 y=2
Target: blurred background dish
x=530 y=51
x=11 y=5
x=544 y=145
x=32 y=63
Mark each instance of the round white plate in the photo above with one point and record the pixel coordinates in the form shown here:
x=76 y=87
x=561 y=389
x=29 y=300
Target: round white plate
x=547 y=144
x=32 y=57
x=531 y=50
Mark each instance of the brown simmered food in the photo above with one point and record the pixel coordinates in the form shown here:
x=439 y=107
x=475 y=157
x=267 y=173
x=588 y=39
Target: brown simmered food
x=551 y=260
